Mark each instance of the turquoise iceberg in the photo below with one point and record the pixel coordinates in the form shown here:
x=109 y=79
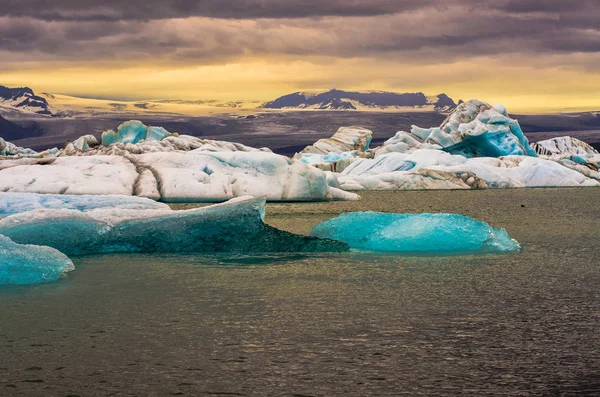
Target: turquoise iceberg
x=436 y=234
x=30 y=264
x=133 y=131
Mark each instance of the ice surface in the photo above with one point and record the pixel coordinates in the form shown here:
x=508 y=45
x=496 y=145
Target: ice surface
x=15 y=203
x=30 y=264
x=346 y=139
x=434 y=234
x=476 y=129
x=72 y=175
x=235 y=226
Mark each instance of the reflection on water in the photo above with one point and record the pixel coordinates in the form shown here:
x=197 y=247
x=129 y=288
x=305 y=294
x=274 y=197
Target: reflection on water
x=350 y=324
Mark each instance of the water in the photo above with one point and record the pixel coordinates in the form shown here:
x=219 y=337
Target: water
x=326 y=325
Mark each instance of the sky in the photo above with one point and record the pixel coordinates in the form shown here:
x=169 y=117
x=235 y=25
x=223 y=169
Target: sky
x=531 y=55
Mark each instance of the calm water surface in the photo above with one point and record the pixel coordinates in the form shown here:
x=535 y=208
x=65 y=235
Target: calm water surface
x=327 y=325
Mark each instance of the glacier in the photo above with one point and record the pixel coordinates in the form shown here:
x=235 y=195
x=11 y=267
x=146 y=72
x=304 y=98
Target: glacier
x=234 y=226
x=431 y=234
x=30 y=264
x=16 y=203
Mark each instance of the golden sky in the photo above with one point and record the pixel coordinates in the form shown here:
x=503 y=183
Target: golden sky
x=530 y=55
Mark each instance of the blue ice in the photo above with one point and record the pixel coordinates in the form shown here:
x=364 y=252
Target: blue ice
x=435 y=234
x=30 y=264
x=134 y=131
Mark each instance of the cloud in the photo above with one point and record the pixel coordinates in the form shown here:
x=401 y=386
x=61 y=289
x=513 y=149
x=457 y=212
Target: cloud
x=179 y=34
x=231 y=9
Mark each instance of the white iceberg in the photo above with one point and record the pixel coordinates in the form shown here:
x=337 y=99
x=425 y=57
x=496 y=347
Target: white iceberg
x=30 y=264
x=219 y=176
x=431 y=234
x=413 y=171
x=15 y=203
x=234 y=226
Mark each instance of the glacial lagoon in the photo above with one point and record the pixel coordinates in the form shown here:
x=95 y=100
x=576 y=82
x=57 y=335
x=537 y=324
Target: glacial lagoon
x=347 y=324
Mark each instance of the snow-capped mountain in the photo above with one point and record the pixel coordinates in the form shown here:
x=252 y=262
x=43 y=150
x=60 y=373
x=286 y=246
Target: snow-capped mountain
x=23 y=99
x=372 y=100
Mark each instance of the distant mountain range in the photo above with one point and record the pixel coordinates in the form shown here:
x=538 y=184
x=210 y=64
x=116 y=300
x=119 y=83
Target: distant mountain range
x=24 y=100
x=373 y=100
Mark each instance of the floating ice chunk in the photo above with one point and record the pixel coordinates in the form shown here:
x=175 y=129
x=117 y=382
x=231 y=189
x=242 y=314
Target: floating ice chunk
x=476 y=129
x=434 y=234
x=15 y=203
x=30 y=264
x=235 y=226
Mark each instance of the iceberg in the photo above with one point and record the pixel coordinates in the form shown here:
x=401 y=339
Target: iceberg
x=234 y=226
x=30 y=264
x=171 y=176
x=476 y=129
x=219 y=176
x=433 y=234
x=133 y=131
x=413 y=171
x=16 y=203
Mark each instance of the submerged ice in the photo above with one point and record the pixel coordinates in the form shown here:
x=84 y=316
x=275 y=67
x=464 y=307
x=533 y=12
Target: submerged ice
x=30 y=264
x=436 y=234
x=234 y=226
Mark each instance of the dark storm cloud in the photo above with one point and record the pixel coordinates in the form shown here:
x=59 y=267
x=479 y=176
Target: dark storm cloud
x=235 y=9
x=213 y=30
